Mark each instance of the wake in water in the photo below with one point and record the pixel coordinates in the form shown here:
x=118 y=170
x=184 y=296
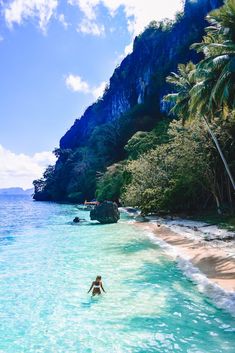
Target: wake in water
x=91 y=301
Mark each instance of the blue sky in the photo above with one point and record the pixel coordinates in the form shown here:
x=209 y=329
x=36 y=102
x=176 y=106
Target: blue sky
x=56 y=57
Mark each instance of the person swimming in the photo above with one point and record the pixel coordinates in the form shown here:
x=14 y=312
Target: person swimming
x=96 y=286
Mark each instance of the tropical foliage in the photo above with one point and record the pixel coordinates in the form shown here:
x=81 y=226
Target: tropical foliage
x=185 y=174
x=110 y=184
x=171 y=177
x=215 y=88
x=154 y=162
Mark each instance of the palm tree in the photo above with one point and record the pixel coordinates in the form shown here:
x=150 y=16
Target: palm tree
x=209 y=88
x=218 y=47
x=183 y=81
x=214 y=91
x=181 y=101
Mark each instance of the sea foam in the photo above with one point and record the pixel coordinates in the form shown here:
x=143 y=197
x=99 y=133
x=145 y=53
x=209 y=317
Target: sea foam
x=220 y=297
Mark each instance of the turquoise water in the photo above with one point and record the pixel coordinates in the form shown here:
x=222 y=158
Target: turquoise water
x=47 y=264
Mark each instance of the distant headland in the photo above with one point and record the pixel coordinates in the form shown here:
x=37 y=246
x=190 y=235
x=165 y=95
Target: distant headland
x=16 y=191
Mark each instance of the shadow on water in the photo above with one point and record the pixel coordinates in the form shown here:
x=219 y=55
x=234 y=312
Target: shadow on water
x=138 y=322
x=86 y=223
x=81 y=223
x=7 y=240
x=178 y=292
x=90 y=302
x=166 y=329
x=93 y=223
x=153 y=273
x=133 y=247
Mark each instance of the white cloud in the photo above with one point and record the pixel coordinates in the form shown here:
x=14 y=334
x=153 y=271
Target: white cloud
x=138 y=12
x=62 y=20
x=90 y=27
x=128 y=49
x=21 y=169
x=99 y=90
x=16 y=11
x=86 y=6
x=77 y=84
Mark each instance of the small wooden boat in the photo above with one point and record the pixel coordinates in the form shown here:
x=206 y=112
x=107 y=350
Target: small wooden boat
x=88 y=205
x=91 y=203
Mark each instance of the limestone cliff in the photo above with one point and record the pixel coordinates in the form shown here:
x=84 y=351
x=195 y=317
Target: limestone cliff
x=140 y=78
x=131 y=102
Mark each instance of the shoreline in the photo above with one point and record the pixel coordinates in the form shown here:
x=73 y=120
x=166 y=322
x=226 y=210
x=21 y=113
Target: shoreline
x=206 y=263
x=212 y=261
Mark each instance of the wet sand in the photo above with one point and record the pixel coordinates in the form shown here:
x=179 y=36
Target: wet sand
x=212 y=261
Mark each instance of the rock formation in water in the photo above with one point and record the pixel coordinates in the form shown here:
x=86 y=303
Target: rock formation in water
x=105 y=213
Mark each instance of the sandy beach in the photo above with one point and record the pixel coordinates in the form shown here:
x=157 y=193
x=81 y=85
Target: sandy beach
x=212 y=261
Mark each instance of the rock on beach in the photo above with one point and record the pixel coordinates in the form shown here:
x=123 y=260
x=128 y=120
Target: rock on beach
x=105 y=213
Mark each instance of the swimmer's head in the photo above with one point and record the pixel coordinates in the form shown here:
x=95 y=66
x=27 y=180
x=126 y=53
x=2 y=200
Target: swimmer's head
x=98 y=278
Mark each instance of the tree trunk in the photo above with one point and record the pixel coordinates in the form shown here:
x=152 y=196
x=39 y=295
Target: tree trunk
x=217 y=204
x=229 y=194
x=221 y=153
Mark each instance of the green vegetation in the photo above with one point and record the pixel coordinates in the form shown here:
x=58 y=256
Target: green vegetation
x=185 y=174
x=181 y=163
x=191 y=166
x=143 y=141
x=74 y=177
x=110 y=184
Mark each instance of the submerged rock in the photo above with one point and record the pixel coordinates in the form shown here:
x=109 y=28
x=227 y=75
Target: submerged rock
x=106 y=212
x=141 y=218
x=78 y=220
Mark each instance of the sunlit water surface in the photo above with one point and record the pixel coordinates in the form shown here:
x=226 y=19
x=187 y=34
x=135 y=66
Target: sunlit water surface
x=47 y=264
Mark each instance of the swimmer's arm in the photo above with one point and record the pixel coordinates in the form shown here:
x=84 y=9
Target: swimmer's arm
x=91 y=287
x=101 y=285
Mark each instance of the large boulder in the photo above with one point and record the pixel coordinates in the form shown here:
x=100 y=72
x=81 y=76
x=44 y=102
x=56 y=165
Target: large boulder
x=106 y=212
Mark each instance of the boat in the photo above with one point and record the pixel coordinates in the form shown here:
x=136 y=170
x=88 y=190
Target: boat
x=88 y=205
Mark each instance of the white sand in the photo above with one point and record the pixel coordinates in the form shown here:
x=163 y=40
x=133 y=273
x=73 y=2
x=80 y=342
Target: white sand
x=211 y=259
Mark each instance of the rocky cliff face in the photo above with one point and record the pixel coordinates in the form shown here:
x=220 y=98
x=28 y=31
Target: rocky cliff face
x=132 y=102
x=141 y=76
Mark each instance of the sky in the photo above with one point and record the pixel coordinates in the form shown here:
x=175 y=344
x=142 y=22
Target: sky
x=56 y=56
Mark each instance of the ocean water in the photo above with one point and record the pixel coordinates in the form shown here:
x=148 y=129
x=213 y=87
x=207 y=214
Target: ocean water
x=47 y=264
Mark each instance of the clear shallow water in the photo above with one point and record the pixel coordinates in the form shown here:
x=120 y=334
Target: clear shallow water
x=47 y=264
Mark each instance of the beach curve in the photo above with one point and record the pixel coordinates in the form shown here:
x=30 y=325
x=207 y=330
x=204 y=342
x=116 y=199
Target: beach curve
x=209 y=266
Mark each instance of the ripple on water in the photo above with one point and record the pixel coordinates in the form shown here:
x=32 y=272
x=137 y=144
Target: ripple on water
x=46 y=268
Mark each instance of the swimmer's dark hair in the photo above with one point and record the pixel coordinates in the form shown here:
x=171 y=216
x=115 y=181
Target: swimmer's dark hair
x=98 y=278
